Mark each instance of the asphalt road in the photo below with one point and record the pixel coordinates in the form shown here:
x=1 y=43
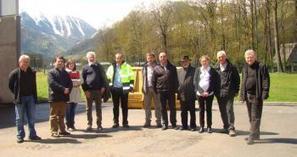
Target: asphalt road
x=278 y=136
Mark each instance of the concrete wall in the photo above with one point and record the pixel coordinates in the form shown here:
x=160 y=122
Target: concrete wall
x=9 y=52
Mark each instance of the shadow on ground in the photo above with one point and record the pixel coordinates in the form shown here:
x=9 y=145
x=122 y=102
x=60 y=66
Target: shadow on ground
x=278 y=140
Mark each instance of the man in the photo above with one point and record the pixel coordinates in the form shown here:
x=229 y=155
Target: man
x=186 y=92
x=228 y=89
x=22 y=83
x=254 y=89
x=59 y=86
x=121 y=81
x=149 y=92
x=165 y=83
x=94 y=85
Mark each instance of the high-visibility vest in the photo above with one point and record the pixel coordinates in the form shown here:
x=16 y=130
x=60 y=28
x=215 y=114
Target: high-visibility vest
x=126 y=74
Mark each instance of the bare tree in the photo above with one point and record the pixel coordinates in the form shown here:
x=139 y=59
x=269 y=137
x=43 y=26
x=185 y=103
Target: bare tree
x=276 y=38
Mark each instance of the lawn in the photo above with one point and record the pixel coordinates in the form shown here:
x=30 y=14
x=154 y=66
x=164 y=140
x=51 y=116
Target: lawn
x=283 y=87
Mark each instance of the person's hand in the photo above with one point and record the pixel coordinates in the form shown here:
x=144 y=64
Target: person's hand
x=102 y=90
x=205 y=94
x=66 y=91
x=131 y=90
x=88 y=94
x=241 y=101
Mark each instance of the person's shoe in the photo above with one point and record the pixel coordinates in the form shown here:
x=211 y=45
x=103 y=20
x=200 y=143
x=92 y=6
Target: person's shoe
x=209 y=130
x=147 y=125
x=35 y=138
x=99 y=128
x=193 y=129
x=254 y=138
x=173 y=126
x=159 y=125
x=201 y=130
x=54 y=134
x=71 y=128
x=89 y=128
x=164 y=127
x=20 y=140
x=115 y=125
x=126 y=126
x=183 y=128
x=64 y=133
x=250 y=141
x=232 y=133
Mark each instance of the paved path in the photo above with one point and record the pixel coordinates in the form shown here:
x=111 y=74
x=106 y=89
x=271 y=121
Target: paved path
x=278 y=138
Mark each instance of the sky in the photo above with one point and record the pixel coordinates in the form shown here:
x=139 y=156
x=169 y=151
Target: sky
x=98 y=13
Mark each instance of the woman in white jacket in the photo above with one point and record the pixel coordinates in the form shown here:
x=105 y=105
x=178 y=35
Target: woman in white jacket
x=74 y=97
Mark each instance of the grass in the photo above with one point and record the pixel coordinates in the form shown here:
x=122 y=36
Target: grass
x=283 y=87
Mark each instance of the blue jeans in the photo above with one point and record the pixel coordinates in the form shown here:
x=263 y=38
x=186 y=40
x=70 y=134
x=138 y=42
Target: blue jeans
x=70 y=113
x=25 y=108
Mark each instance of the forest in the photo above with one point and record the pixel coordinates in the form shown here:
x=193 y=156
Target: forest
x=198 y=27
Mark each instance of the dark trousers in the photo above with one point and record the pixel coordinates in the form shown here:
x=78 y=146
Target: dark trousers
x=227 y=111
x=70 y=114
x=185 y=107
x=168 y=98
x=205 y=103
x=95 y=95
x=255 y=108
x=117 y=96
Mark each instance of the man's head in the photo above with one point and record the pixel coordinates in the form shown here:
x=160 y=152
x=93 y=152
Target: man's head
x=91 y=56
x=204 y=61
x=119 y=58
x=24 y=62
x=185 y=61
x=250 y=56
x=221 y=56
x=59 y=62
x=163 y=58
x=150 y=57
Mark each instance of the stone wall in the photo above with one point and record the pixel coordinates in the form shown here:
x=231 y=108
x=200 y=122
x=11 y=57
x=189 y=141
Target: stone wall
x=9 y=52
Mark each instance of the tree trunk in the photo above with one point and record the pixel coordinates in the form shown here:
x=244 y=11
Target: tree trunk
x=276 y=39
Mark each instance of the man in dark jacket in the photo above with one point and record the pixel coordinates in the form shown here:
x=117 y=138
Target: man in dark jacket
x=229 y=87
x=186 y=92
x=94 y=85
x=22 y=83
x=59 y=86
x=149 y=92
x=165 y=83
x=254 y=90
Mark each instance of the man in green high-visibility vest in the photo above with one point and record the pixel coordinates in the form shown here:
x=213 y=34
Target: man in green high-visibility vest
x=121 y=81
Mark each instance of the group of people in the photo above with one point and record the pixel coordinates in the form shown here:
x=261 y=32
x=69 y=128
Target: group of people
x=162 y=81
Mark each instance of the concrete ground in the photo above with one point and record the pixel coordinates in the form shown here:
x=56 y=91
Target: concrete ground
x=278 y=136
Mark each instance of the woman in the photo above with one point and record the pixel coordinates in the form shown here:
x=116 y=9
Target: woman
x=74 y=95
x=205 y=82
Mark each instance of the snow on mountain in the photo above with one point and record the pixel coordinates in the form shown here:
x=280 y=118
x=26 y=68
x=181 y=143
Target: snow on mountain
x=65 y=26
x=48 y=34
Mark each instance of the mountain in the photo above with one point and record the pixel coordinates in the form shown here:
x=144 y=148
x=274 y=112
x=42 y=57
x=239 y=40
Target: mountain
x=49 y=35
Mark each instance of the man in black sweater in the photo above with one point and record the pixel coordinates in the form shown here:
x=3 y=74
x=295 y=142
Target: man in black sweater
x=254 y=90
x=94 y=85
x=22 y=83
x=229 y=87
x=59 y=88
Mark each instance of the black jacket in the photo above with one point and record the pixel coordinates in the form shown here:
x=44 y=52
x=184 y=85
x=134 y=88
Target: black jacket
x=57 y=82
x=229 y=80
x=165 y=80
x=213 y=84
x=144 y=76
x=94 y=77
x=262 y=82
x=14 y=83
x=186 y=89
